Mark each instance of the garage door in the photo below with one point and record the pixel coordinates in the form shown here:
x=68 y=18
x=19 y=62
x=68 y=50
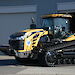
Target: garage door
x=13 y=22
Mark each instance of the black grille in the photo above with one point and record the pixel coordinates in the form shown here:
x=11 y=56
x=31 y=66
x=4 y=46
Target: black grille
x=17 y=44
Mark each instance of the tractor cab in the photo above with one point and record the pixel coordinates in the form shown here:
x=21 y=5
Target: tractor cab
x=59 y=24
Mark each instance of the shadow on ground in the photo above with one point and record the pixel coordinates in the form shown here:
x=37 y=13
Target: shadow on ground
x=7 y=62
x=13 y=62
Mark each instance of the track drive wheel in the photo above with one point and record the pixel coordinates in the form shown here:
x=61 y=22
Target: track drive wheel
x=49 y=59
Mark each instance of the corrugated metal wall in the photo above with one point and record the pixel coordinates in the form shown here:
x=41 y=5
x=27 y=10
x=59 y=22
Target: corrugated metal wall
x=10 y=23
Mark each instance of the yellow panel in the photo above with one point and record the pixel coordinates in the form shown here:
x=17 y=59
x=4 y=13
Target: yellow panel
x=57 y=15
x=72 y=37
x=31 y=39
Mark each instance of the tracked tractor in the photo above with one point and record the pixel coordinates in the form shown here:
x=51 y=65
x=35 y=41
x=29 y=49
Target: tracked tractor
x=51 y=44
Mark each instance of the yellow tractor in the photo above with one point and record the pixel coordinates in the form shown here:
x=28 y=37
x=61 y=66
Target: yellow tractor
x=51 y=44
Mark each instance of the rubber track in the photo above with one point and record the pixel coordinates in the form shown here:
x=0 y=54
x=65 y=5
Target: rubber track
x=61 y=45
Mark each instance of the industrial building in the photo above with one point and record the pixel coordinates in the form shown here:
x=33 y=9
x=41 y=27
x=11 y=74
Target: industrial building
x=15 y=15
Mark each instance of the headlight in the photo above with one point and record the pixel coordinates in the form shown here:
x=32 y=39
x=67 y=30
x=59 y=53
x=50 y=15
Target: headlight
x=20 y=38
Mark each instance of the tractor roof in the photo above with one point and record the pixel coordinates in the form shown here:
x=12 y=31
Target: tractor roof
x=57 y=15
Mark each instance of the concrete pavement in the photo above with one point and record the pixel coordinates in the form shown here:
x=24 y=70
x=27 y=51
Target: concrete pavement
x=8 y=66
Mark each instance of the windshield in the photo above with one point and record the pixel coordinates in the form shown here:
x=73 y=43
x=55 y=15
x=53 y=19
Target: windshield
x=56 y=22
x=17 y=34
x=62 y=22
x=48 y=22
